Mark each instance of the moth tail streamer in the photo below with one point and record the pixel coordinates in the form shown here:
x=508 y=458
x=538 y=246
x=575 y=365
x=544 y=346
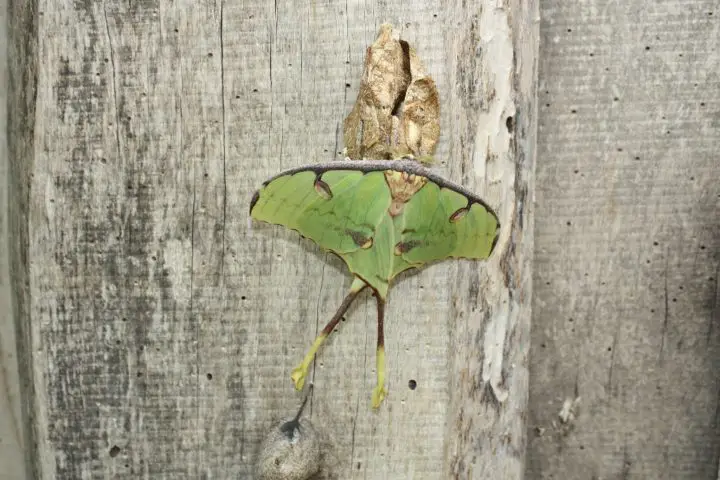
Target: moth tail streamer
x=379 y=392
x=299 y=373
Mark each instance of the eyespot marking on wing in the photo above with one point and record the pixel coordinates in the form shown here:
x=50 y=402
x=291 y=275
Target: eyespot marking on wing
x=360 y=239
x=404 y=247
x=322 y=188
x=459 y=214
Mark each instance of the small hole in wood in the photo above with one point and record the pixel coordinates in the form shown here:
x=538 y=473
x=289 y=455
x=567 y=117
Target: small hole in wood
x=114 y=451
x=412 y=384
x=209 y=376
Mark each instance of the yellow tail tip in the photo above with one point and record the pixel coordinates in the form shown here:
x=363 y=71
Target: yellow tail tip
x=298 y=376
x=378 y=395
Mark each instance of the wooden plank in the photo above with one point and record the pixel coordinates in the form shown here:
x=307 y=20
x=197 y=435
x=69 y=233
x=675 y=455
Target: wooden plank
x=11 y=423
x=493 y=131
x=162 y=330
x=22 y=70
x=626 y=273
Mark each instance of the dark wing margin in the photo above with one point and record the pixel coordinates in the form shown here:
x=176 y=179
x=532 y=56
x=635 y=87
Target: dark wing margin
x=366 y=166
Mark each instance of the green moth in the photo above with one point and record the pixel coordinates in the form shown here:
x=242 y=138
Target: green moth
x=381 y=217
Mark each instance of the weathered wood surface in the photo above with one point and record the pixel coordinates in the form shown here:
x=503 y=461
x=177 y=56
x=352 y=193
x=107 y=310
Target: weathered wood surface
x=160 y=331
x=12 y=466
x=626 y=301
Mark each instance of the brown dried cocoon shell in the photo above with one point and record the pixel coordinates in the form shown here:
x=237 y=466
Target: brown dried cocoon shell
x=397 y=111
x=290 y=456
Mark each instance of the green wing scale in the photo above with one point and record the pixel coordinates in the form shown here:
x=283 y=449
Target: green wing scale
x=381 y=218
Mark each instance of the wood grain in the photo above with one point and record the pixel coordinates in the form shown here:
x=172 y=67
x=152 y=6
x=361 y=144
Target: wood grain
x=11 y=423
x=626 y=306
x=159 y=330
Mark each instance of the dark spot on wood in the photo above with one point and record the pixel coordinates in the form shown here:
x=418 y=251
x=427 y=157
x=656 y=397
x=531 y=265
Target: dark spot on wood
x=489 y=398
x=209 y=376
x=412 y=384
x=114 y=451
x=509 y=124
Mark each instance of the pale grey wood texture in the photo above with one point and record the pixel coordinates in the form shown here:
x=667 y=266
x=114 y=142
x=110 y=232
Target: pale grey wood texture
x=492 y=52
x=626 y=301
x=160 y=330
x=11 y=426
